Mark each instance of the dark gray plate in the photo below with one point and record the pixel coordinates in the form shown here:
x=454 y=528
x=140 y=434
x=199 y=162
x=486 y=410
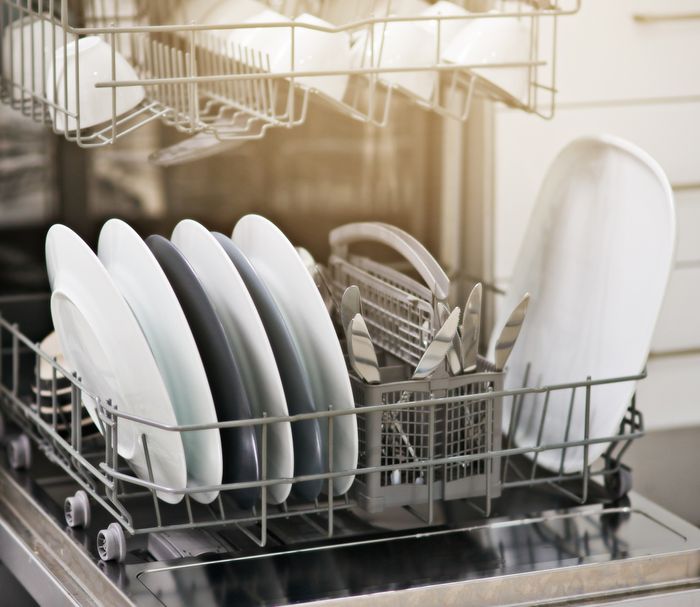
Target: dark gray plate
x=239 y=445
x=306 y=434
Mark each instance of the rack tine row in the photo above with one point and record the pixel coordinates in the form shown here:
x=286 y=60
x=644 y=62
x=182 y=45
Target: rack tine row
x=448 y=446
x=195 y=75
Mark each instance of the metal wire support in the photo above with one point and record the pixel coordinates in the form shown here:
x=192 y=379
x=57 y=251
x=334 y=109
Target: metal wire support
x=197 y=79
x=452 y=423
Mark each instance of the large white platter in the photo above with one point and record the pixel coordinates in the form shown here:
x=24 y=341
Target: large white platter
x=142 y=282
x=279 y=265
x=248 y=339
x=103 y=342
x=596 y=260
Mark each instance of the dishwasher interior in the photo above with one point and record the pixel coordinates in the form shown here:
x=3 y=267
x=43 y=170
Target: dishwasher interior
x=527 y=537
x=446 y=506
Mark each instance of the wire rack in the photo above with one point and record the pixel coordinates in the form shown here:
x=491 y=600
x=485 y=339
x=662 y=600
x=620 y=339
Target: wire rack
x=399 y=311
x=105 y=479
x=414 y=434
x=197 y=80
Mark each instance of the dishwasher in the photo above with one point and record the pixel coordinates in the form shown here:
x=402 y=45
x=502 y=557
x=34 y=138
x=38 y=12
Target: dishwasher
x=444 y=503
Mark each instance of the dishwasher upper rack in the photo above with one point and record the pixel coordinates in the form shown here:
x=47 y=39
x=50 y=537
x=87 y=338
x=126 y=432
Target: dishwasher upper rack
x=197 y=83
x=98 y=470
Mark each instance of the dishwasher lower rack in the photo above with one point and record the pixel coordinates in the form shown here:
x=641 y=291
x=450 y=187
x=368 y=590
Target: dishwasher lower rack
x=105 y=480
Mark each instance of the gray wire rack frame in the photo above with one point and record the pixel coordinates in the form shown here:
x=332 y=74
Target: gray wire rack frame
x=423 y=434
x=399 y=311
x=197 y=80
x=102 y=474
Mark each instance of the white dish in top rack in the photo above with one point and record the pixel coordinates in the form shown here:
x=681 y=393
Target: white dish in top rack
x=595 y=259
x=94 y=65
x=104 y=343
x=248 y=340
x=281 y=268
x=270 y=48
x=496 y=40
x=142 y=282
x=22 y=40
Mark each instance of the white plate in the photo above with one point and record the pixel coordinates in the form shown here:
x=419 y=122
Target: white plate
x=248 y=340
x=142 y=282
x=596 y=260
x=103 y=342
x=279 y=265
x=52 y=346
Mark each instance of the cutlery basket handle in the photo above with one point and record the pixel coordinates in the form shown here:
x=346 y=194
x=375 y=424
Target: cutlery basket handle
x=408 y=247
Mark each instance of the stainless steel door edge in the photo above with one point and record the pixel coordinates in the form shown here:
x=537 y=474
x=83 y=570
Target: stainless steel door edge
x=581 y=556
x=52 y=568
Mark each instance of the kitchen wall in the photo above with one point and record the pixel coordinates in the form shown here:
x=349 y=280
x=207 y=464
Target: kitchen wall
x=630 y=68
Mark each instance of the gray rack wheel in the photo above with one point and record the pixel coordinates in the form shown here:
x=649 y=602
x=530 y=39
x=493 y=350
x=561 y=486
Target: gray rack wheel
x=619 y=483
x=111 y=543
x=77 y=510
x=19 y=452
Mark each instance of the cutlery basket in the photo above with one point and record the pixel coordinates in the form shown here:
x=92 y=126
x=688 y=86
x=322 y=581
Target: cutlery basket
x=415 y=445
x=399 y=310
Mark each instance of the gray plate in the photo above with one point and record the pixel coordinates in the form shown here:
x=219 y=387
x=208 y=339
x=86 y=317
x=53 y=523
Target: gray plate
x=239 y=445
x=306 y=434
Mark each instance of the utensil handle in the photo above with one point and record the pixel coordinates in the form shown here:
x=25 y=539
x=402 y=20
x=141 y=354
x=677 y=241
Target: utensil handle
x=398 y=428
x=342 y=237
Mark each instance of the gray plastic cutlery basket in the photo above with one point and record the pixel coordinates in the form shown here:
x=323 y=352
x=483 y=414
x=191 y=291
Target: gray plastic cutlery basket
x=425 y=449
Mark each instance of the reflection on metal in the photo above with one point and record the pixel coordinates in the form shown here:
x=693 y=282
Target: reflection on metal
x=616 y=551
x=552 y=553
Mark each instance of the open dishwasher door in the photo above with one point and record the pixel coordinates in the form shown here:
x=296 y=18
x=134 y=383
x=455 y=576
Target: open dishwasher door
x=635 y=553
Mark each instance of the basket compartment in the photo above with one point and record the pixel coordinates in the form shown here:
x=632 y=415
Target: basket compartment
x=419 y=434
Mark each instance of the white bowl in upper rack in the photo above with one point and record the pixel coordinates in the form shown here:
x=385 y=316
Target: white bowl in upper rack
x=219 y=12
x=271 y=48
x=405 y=44
x=75 y=92
x=493 y=40
x=27 y=45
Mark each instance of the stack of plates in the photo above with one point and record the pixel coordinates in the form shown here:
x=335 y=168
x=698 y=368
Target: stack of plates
x=202 y=329
x=58 y=411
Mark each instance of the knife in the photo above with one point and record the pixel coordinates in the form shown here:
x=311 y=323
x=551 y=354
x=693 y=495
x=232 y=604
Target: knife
x=471 y=324
x=439 y=347
x=510 y=332
x=454 y=356
x=363 y=357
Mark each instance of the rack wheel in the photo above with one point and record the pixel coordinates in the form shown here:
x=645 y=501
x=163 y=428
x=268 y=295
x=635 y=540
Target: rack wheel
x=619 y=483
x=111 y=543
x=19 y=452
x=77 y=510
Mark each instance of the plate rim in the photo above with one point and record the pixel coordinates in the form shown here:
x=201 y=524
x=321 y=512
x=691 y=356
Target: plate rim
x=117 y=235
x=346 y=451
